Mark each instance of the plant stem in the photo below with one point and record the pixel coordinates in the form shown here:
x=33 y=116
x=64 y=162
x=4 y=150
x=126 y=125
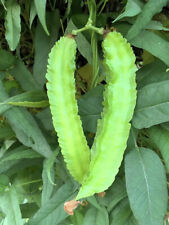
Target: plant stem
x=96 y=29
x=92 y=10
x=99 y=4
x=104 y=4
x=91 y=26
x=92 y=17
x=88 y=27
x=29 y=182
x=95 y=60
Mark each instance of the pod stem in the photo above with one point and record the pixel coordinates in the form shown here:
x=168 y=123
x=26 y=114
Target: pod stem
x=88 y=26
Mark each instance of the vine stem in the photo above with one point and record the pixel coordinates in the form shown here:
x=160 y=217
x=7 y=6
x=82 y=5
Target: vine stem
x=95 y=60
x=91 y=26
x=92 y=17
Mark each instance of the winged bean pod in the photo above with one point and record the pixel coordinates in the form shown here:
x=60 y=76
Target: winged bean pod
x=64 y=109
x=114 y=126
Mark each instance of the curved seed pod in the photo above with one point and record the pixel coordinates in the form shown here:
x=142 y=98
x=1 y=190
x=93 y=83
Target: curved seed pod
x=113 y=129
x=64 y=109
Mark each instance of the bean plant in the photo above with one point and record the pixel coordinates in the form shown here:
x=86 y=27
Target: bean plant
x=84 y=116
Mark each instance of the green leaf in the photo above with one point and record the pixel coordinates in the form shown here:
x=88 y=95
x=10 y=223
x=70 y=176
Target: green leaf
x=13 y=167
x=160 y=138
x=6 y=166
x=96 y=217
x=28 y=183
x=3 y=3
x=152 y=73
x=25 y=127
x=156 y=25
x=7 y=60
x=53 y=211
x=23 y=76
x=150 y=9
x=32 y=13
x=77 y=218
x=10 y=206
x=93 y=201
x=15 y=156
x=48 y=187
x=132 y=140
x=147 y=192
x=28 y=132
x=11 y=86
x=152 y=105
x=27 y=99
x=61 y=170
x=131 y=221
x=44 y=116
x=21 y=152
x=79 y=20
x=41 y=11
x=49 y=163
x=5 y=146
x=121 y=213
x=133 y=8
x=2 y=75
x=43 y=45
x=116 y=193
x=6 y=131
x=154 y=44
x=4 y=182
x=76 y=7
x=12 y=24
x=40 y=104
x=90 y=107
x=28 y=209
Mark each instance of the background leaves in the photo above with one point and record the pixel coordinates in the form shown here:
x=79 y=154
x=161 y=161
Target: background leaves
x=34 y=182
x=45 y=42
x=152 y=105
x=10 y=207
x=147 y=193
x=12 y=23
x=149 y=10
x=40 y=6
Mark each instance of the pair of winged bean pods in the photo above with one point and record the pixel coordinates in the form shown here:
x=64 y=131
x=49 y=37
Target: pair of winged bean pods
x=95 y=170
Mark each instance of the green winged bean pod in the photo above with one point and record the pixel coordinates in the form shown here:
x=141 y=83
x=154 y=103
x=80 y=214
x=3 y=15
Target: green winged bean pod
x=113 y=128
x=64 y=109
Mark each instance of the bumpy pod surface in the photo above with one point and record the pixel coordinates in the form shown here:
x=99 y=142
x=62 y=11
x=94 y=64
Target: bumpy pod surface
x=113 y=129
x=64 y=109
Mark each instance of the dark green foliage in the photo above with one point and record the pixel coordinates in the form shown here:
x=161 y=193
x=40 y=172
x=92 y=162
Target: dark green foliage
x=34 y=181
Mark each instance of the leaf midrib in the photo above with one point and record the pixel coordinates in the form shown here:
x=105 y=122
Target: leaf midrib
x=146 y=183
